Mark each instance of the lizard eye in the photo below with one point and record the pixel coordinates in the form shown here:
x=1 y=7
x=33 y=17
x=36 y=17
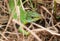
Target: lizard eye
x=32 y=17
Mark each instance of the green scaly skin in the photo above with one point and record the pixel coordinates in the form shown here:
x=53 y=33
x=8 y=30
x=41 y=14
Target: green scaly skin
x=25 y=16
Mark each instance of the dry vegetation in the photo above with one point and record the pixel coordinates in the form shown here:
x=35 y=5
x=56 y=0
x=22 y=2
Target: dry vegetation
x=45 y=29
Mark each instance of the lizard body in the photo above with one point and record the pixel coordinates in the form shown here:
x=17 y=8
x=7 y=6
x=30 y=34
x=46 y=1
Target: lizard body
x=25 y=16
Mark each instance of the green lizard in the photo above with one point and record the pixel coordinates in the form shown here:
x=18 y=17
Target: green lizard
x=25 y=16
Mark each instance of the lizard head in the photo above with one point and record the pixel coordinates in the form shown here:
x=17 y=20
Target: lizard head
x=33 y=16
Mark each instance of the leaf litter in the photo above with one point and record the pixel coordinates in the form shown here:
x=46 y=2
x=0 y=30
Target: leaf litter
x=45 y=29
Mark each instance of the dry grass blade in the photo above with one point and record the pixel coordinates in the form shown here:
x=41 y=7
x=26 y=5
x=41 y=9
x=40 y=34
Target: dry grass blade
x=32 y=33
x=29 y=30
x=46 y=29
x=58 y=1
x=46 y=10
x=3 y=36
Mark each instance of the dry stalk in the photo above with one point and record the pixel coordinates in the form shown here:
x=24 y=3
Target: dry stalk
x=3 y=36
x=46 y=29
